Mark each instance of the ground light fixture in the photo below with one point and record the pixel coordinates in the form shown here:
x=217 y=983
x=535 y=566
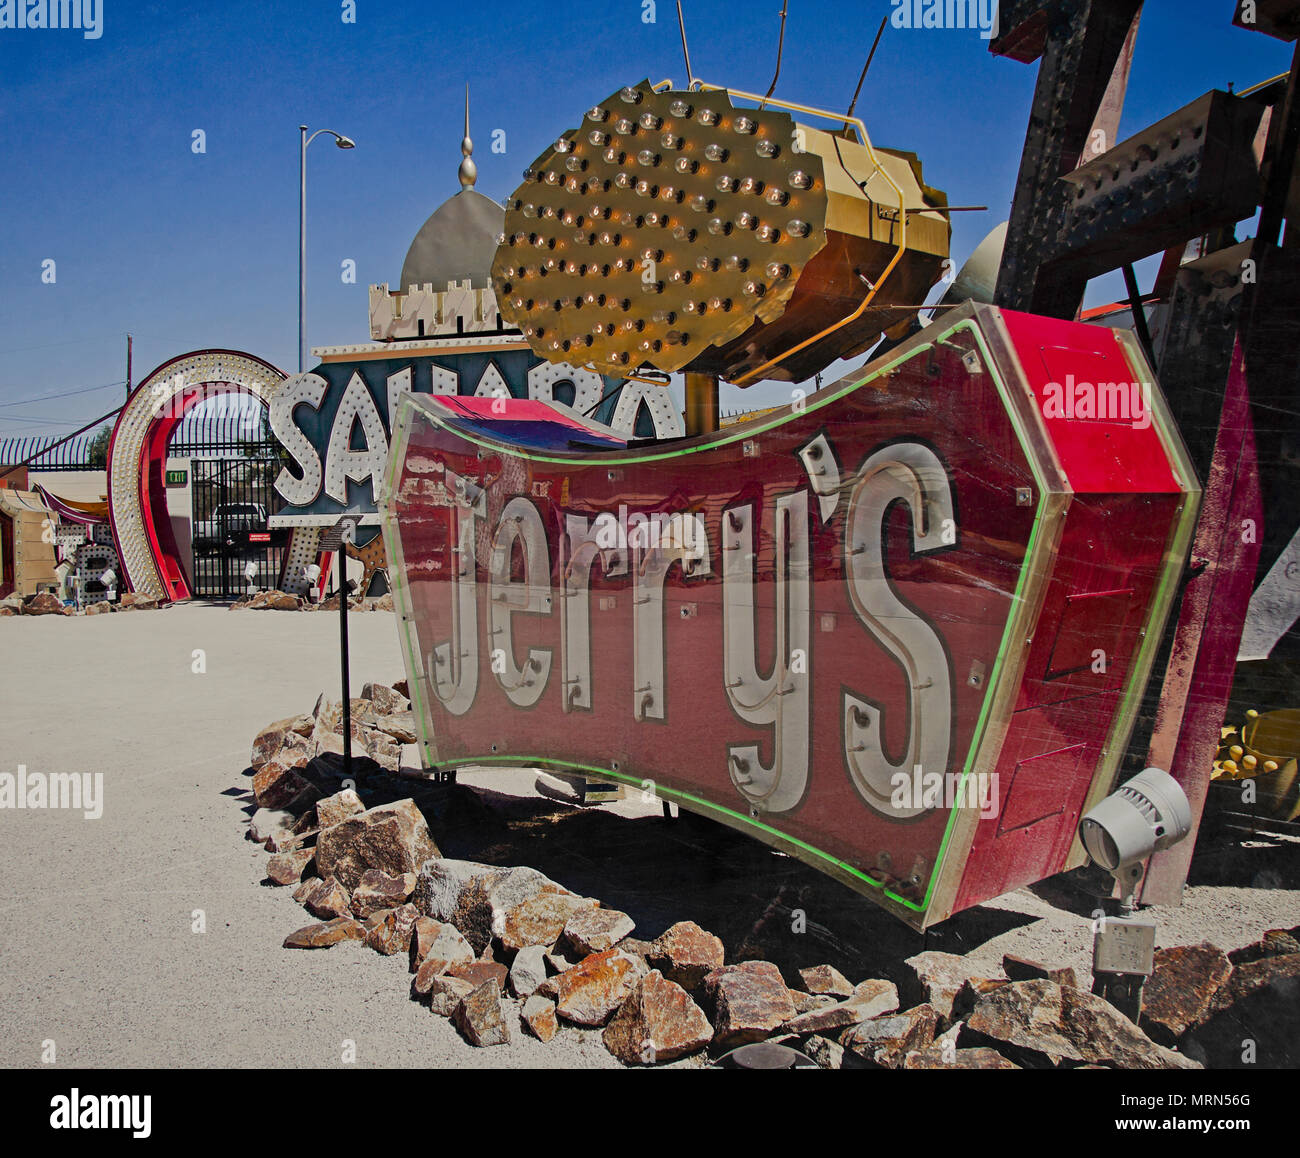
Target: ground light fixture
x=312 y=574
x=1146 y=814
x=676 y=230
x=109 y=579
x=250 y=573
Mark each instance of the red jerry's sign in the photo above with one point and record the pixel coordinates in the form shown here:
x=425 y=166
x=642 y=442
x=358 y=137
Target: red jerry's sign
x=898 y=630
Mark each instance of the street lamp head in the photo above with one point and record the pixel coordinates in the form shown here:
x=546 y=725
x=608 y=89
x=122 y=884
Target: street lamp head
x=346 y=143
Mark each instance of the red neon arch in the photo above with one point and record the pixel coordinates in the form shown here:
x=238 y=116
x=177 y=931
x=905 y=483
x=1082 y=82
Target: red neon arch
x=152 y=466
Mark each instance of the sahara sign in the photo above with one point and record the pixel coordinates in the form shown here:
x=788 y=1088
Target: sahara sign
x=899 y=632
x=334 y=422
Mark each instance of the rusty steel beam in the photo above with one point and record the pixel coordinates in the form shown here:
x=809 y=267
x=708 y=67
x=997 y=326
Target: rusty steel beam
x=1190 y=173
x=1198 y=681
x=1276 y=18
x=1080 y=43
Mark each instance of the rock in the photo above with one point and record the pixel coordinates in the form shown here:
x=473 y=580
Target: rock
x=328 y=717
x=886 y=1041
x=480 y=1018
x=629 y=945
x=476 y=897
x=423 y=935
x=538 y=1016
x=272 y=739
x=136 y=601
x=1180 y=988
x=1253 y=1021
x=863 y=1005
x=595 y=930
x=275 y=601
x=446 y=993
x=381 y=749
x=389 y=931
x=559 y=962
x=336 y=809
x=303 y=891
x=324 y=935
x=825 y=979
x=685 y=954
x=590 y=992
x=656 y=1023
x=289 y=840
x=287 y=868
x=1033 y=1022
x=401 y=727
x=437 y=950
x=45 y=604
x=266 y=822
x=541 y=920
x=1274 y=943
x=1023 y=969
x=380 y=890
x=477 y=972
x=825 y=1052
x=392 y=837
x=751 y=1000
x=978 y=1058
x=387 y=701
x=935 y=978
x=807 y=1002
x=328 y=900
x=528 y=970
x=278 y=782
x=973 y=988
x=383 y=603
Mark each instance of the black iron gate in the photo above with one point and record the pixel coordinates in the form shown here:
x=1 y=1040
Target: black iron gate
x=234 y=549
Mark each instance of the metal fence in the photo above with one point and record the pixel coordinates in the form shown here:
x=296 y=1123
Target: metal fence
x=230 y=426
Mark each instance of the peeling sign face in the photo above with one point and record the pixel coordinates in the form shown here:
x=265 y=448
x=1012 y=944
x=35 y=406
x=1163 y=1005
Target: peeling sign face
x=863 y=629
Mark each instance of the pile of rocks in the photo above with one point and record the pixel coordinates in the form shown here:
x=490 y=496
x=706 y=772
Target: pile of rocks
x=46 y=604
x=284 y=752
x=508 y=951
x=274 y=600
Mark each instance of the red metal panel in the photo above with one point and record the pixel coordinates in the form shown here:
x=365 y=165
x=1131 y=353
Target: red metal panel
x=1108 y=446
x=1210 y=623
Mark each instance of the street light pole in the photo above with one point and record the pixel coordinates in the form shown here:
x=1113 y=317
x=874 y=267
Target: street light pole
x=304 y=140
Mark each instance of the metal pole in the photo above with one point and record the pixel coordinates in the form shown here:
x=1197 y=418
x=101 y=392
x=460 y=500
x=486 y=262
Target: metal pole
x=343 y=649
x=701 y=404
x=302 y=249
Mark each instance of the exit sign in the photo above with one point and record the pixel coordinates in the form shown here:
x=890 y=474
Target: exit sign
x=177 y=478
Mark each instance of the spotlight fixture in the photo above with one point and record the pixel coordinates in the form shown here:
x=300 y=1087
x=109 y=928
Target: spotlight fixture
x=807 y=236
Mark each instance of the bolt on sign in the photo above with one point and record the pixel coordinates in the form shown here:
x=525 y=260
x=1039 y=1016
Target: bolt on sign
x=899 y=631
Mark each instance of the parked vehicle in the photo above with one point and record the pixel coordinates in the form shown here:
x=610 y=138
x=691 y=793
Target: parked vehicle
x=229 y=526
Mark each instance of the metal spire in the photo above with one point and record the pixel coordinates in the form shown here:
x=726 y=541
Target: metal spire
x=468 y=171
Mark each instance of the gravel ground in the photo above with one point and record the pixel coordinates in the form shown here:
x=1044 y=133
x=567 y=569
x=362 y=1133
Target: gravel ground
x=97 y=929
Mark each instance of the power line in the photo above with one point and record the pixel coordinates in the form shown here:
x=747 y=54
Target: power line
x=64 y=394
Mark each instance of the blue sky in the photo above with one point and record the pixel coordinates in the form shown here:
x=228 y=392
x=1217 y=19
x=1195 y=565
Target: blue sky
x=189 y=250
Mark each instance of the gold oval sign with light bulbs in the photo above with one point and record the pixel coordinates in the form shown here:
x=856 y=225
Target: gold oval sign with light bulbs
x=666 y=225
